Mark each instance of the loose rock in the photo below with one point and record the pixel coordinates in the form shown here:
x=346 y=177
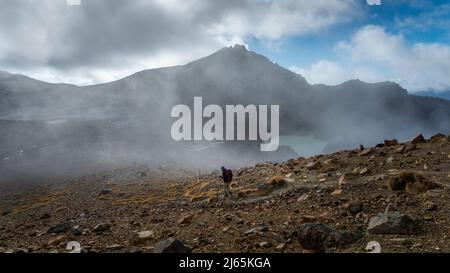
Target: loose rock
x=45 y=216
x=171 y=245
x=430 y=206
x=393 y=222
x=76 y=231
x=418 y=139
x=143 y=236
x=59 y=228
x=185 y=220
x=366 y=152
x=105 y=192
x=390 y=142
x=319 y=237
x=313 y=165
x=101 y=228
x=354 y=207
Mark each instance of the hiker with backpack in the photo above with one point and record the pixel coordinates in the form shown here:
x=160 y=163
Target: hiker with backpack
x=227 y=176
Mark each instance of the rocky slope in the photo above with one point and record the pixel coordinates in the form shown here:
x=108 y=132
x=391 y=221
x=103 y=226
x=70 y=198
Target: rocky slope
x=394 y=195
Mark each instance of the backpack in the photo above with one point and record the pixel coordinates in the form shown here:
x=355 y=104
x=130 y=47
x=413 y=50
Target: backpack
x=229 y=176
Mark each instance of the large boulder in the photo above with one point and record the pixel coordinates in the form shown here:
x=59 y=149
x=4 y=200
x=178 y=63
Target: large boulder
x=410 y=182
x=418 y=139
x=393 y=222
x=390 y=142
x=438 y=137
x=171 y=245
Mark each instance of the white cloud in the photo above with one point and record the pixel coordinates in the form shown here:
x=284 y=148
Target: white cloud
x=94 y=75
x=372 y=54
x=333 y=73
x=276 y=19
x=374 y=2
x=104 y=36
x=73 y=2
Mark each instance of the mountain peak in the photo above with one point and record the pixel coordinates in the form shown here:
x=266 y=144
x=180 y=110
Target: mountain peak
x=239 y=47
x=233 y=55
x=236 y=49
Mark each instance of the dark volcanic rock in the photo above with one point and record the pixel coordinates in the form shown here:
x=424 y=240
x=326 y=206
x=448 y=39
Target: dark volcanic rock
x=101 y=228
x=45 y=216
x=438 y=137
x=59 y=228
x=76 y=231
x=354 y=207
x=390 y=142
x=418 y=139
x=319 y=237
x=409 y=148
x=105 y=192
x=171 y=245
x=393 y=222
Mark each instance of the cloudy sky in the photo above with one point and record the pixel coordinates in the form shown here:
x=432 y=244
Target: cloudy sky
x=327 y=41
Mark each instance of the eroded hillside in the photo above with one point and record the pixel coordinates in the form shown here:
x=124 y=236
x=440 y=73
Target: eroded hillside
x=336 y=203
